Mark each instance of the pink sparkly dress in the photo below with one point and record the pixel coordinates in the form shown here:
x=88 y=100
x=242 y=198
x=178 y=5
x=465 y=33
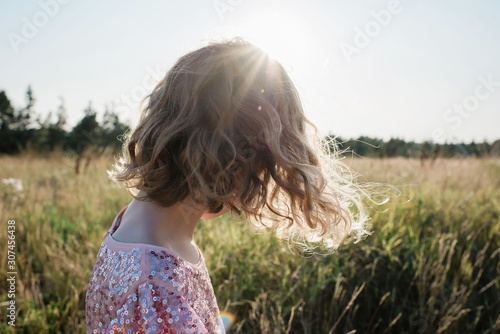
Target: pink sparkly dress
x=142 y=288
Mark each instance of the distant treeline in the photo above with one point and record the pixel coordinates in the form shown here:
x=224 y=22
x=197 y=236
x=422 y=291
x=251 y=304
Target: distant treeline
x=22 y=128
x=394 y=147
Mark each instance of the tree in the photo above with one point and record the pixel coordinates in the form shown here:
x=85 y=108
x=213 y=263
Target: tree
x=16 y=124
x=57 y=132
x=394 y=147
x=112 y=128
x=22 y=125
x=86 y=133
x=7 y=142
x=51 y=134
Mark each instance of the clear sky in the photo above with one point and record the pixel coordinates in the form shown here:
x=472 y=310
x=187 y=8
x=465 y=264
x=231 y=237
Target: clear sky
x=417 y=70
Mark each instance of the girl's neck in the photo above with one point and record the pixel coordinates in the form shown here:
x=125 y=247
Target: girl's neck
x=178 y=220
x=172 y=227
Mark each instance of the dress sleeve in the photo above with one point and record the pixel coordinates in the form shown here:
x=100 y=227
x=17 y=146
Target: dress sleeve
x=155 y=307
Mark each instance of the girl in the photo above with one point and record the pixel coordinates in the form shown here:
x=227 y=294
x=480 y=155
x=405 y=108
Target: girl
x=223 y=131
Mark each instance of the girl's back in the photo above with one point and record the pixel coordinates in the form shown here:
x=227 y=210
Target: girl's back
x=143 y=288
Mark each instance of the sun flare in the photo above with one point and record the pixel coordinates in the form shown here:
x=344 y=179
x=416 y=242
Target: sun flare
x=283 y=35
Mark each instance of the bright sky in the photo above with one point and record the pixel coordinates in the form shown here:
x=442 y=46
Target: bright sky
x=417 y=70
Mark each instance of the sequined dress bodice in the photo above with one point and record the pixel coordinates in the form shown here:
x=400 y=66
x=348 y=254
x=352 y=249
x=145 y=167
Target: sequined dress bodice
x=141 y=288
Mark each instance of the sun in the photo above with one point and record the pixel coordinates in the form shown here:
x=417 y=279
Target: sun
x=282 y=34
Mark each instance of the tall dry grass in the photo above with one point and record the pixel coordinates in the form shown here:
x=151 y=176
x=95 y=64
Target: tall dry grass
x=430 y=266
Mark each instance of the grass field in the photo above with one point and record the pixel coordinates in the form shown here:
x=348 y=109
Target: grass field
x=430 y=266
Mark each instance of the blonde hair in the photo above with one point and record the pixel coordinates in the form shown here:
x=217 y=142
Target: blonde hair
x=226 y=126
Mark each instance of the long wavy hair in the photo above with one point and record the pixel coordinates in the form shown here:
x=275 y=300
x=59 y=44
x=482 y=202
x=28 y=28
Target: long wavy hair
x=226 y=127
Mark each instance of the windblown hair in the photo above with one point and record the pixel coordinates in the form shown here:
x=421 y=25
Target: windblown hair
x=226 y=127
